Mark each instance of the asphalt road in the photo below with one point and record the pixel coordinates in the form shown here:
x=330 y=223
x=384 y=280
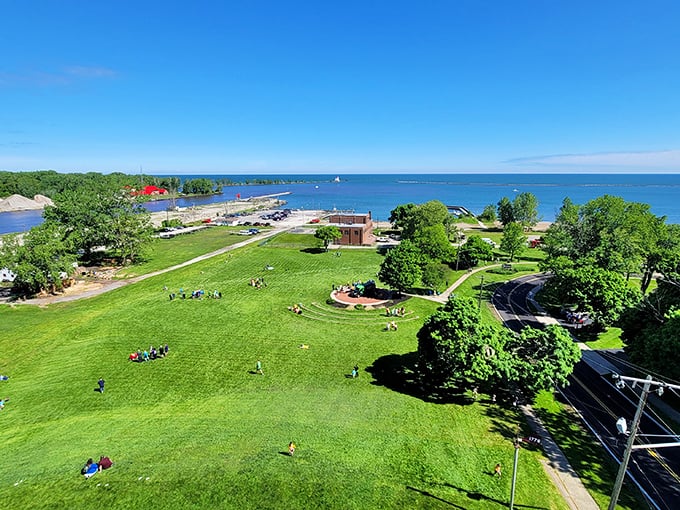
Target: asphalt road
x=600 y=403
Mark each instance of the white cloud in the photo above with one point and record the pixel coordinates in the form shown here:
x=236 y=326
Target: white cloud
x=643 y=159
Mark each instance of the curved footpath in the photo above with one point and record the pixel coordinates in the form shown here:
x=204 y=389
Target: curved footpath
x=557 y=466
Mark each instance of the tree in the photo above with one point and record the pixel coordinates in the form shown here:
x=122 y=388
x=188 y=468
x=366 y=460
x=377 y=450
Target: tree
x=514 y=240
x=543 y=358
x=525 y=210
x=401 y=267
x=603 y=294
x=433 y=274
x=41 y=261
x=399 y=214
x=433 y=242
x=488 y=214
x=200 y=186
x=456 y=349
x=99 y=217
x=424 y=215
x=505 y=212
x=327 y=234
x=474 y=250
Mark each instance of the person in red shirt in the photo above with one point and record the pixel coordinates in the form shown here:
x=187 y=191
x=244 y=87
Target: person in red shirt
x=104 y=463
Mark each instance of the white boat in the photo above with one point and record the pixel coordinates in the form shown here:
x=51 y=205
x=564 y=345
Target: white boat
x=337 y=179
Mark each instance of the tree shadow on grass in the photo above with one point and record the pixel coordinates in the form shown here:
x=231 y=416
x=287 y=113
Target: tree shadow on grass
x=397 y=372
x=478 y=496
x=506 y=421
x=430 y=495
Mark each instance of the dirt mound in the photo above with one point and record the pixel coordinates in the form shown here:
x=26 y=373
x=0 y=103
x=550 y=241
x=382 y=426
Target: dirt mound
x=43 y=200
x=20 y=203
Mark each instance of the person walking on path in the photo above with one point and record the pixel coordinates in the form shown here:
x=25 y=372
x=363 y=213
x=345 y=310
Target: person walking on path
x=258 y=367
x=101 y=385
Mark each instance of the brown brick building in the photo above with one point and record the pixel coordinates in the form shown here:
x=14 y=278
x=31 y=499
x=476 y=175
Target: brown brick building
x=357 y=229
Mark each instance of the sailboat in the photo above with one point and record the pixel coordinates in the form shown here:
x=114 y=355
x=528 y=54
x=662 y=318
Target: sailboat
x=337 y=179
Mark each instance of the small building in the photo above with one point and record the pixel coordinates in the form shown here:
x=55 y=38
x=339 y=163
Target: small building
x=6 y=275
x=356 y=229
x=150 y=190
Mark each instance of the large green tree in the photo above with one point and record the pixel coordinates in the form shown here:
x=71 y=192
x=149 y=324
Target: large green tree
x=327 y=234
x=433 y=242
x=506 y=214
x=543 y=358
x=525 y=210
x=399 y=214
x=457 y=350
x=41 y=260
x=101 y=217
x=401 y=267
x=425 y=215
x=514 y=240
x=472 y=251
x=603 y=294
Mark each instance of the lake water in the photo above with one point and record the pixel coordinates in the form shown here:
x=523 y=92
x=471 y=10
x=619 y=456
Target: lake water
x=380 y=193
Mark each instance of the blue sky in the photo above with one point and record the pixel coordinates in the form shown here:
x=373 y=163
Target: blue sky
x=340 y=87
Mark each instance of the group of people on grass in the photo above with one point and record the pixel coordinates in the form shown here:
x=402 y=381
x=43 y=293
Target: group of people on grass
x=395 y=312
x=258 y=282
x=91 y=468
x=296 y=308
x=391 y=326
x=195 y=294
x=152 y=354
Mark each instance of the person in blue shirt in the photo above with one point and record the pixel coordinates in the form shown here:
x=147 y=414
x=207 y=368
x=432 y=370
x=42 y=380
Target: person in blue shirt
x=90 y=468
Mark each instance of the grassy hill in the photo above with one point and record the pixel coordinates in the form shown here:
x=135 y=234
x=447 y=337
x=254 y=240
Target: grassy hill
x=200 y=429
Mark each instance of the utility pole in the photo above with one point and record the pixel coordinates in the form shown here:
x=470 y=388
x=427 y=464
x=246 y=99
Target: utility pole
x=647 y=384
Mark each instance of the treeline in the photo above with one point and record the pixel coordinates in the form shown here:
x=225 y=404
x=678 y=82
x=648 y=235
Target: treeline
x=51 y=183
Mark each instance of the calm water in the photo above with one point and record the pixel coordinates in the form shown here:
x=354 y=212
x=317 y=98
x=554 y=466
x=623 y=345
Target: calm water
x=382 y=193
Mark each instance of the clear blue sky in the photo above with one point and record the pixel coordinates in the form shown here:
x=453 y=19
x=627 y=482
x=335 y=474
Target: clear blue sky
x=340 y=87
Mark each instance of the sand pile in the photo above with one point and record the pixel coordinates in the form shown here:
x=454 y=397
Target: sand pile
x=19 y=203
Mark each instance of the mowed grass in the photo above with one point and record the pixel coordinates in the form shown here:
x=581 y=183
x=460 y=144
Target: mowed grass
x=164 y=253
x=199 y=429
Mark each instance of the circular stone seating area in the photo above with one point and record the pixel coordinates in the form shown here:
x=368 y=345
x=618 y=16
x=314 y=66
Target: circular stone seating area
x=330 y=314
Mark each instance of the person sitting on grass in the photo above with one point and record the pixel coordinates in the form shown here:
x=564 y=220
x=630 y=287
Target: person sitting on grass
x=89 y=469
x=104 y=463
x=3 y=377
x=3 y=401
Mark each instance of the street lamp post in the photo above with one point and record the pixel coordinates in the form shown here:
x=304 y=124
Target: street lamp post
x=514 y=474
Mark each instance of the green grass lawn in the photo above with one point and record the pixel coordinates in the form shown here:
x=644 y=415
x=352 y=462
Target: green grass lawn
x=164 y=253
x=199 y=429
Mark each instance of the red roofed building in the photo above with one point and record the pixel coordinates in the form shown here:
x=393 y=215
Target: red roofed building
x=150 y=190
